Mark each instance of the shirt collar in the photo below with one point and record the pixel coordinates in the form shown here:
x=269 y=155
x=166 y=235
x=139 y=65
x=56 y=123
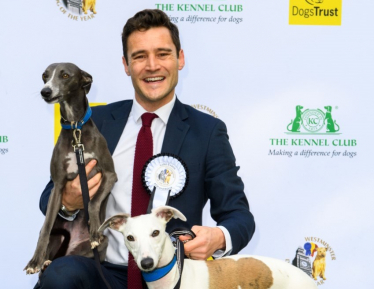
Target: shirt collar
x=163 y=112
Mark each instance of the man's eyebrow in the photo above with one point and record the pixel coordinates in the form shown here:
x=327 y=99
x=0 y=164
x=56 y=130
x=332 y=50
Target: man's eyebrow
x=165 y=49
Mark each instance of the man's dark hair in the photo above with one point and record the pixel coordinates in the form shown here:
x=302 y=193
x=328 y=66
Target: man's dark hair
x=146 y=19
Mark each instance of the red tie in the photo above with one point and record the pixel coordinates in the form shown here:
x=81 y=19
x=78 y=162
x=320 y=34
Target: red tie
x=140 y=198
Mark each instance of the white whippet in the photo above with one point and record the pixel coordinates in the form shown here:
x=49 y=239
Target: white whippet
x=153 y=251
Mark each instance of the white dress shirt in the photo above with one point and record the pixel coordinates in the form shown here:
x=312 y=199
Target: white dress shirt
x=120 y=199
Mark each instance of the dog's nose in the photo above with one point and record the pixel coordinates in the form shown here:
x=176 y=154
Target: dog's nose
x=46 y=92
x=147 y=263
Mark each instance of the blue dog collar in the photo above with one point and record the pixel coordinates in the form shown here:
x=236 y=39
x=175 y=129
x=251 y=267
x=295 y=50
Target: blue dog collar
x=80 y=123
x=159 y=272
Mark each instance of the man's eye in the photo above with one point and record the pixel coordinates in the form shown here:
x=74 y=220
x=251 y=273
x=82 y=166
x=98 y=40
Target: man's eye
x=130 y=238
x=155 y=233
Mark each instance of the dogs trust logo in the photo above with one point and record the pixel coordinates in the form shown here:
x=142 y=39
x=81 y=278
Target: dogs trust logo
x=311 y=258
x=313 y=121
x=78 y=10
x=315 y=12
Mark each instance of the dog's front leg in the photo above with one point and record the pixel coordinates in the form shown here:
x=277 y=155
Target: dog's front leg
x=37 y=261
x=106 y=186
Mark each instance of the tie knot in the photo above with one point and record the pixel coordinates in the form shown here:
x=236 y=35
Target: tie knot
x=147 y=118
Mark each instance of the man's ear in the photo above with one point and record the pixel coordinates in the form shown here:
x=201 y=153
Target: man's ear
x=116 y=222
x=181 y=61
x=126 y=66
x=86 y=81
x=166 y=213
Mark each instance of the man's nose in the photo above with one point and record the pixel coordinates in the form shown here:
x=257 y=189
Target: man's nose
x=152 y=63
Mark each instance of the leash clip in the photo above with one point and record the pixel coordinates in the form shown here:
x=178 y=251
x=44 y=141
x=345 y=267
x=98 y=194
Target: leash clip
x=76 y=143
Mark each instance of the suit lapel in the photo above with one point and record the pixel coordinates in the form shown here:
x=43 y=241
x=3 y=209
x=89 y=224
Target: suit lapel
x=176 y=129
x=112 y=128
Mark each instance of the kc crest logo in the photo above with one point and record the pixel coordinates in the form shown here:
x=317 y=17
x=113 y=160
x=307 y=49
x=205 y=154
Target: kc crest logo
x=315 y=12
x=78 y=10
x=313 y=121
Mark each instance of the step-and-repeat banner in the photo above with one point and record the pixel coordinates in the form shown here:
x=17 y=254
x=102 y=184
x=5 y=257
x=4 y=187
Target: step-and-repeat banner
x=292 y=79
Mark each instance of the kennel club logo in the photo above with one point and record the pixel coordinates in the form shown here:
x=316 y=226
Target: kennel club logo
x=78 y=10
x=313 y=259
x=315 y=12
x=313 y=121
x=3 y=139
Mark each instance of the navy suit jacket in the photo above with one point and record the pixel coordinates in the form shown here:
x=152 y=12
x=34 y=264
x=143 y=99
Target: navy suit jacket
x=201 y=141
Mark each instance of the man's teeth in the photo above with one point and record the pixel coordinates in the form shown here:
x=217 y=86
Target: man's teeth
x=152 y=79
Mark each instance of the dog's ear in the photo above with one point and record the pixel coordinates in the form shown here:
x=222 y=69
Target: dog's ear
x=86 y=81
x=116 y=222
x=166 y=213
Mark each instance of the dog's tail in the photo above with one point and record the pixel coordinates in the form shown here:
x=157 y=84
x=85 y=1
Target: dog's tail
x=337 y=126
x=289 y=125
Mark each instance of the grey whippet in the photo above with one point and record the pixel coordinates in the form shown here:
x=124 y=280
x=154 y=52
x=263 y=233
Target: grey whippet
x=68 y=85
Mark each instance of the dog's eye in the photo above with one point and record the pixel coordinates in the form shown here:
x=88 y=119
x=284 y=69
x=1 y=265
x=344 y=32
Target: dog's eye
x=65 y=76
x=155 y=233
x=130 y=238
x=44 y=76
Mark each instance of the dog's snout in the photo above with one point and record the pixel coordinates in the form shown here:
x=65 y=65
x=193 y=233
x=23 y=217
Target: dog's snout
x=147 y=263
x=46 y=92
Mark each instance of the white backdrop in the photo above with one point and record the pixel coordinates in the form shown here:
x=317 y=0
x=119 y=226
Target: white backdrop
x=252 y=74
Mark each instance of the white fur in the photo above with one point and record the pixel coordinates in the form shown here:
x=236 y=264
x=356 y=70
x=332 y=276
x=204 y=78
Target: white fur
x=50 y=84
x=72 y=161
x=68 y=109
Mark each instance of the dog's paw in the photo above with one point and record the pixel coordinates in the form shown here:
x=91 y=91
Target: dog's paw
x=46 y=264
x=30 y=270
x=94 y=244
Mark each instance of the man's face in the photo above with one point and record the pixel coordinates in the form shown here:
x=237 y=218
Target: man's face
x=153 y=66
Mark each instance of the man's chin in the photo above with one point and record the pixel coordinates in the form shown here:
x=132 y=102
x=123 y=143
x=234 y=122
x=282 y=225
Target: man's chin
x=156 y=98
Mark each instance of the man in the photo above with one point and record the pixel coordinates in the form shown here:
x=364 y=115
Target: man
x=152 y=58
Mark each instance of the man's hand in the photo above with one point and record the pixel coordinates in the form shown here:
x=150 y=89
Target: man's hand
x=207 y=241
x=72 y=194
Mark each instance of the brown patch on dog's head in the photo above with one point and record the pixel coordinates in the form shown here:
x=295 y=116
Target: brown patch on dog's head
x=248 y=273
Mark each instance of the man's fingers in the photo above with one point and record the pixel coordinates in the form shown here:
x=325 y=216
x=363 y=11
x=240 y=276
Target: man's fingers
x=90 y=166
x=192 y=245
x=94 y=181
x=185 y=237
x=94 y=189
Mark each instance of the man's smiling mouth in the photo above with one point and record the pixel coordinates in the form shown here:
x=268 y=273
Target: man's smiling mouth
x=153 y=79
